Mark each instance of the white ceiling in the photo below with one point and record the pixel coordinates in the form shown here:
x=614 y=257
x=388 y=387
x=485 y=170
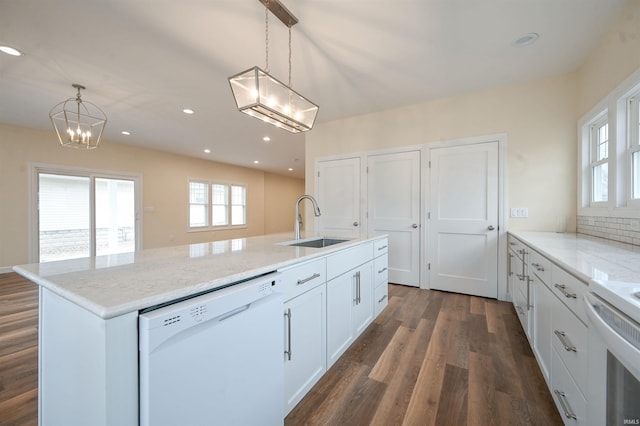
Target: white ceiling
x=143 y=61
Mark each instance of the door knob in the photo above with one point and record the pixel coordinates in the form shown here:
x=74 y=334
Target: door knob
x=415 y=225
x=491 y=228
x=355 y=223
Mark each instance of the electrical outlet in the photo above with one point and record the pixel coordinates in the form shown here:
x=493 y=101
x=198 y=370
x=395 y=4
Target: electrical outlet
x=519 y=212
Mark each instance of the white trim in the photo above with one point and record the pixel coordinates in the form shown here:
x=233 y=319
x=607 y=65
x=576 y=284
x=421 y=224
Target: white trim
x=36 y=168
x=5 y=269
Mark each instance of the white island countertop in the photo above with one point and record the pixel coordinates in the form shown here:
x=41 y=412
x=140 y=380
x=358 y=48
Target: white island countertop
x=113 y=285
x=587 y=257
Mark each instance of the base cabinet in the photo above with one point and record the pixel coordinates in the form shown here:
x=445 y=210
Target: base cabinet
x=350 y=309
x=305 y=350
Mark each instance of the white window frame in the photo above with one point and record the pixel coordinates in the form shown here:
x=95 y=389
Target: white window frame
x=594 y=162
x=206 y=204
x=616 y=108
x=632 y=103
x=229 y=212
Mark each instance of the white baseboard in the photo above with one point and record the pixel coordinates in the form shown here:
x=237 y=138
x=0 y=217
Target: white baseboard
x=5 y=269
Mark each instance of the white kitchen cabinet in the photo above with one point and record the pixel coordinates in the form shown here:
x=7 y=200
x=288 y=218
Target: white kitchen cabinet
x=520 y=285
x=305 y=343
x=540 y=270
x=349 y=297
x=305 y=328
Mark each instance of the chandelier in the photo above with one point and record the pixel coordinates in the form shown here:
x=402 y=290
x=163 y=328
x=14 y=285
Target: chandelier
x=262 y=96
x=78 y=124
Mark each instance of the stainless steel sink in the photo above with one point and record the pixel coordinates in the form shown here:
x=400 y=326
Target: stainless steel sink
x=316 y=243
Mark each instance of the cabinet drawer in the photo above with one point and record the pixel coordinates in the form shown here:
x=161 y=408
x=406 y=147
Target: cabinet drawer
x=569 y=339
x=569 y=290
x=380 y=247
x=540 y=266
x=345 y=260
x=517 y=246
x=381 y=270
x=569 y=400
x=381 y=298
x=303 y=277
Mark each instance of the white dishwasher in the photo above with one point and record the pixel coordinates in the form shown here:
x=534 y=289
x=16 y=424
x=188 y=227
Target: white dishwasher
x=215 y=359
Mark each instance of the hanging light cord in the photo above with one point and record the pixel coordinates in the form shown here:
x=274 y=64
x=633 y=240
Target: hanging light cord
x=266 y=36
x=289 y=56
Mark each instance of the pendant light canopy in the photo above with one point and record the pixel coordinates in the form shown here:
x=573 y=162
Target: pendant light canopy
x=262 y=96
x=78 y=124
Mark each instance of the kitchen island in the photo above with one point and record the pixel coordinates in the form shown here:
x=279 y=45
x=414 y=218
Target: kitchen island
x=89 y=308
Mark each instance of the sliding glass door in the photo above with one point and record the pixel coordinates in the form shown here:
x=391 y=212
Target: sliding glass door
x=85 y=214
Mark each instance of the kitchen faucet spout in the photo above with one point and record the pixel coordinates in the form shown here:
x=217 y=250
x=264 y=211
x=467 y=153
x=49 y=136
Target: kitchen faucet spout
x=316 y=212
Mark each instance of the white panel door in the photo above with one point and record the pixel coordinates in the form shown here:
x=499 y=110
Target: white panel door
x=464 y=219
x=393 y=208
x=338 y=190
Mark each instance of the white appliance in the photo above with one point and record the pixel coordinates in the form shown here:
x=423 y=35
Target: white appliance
x=613 y=310
x=216 y=359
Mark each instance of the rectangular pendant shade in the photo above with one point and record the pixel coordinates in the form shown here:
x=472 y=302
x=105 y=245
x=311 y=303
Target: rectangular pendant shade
x=261 y=96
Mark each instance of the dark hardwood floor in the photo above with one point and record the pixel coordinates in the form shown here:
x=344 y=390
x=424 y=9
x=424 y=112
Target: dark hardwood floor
x=429 y=358
x=18 y=351
x=434 y=358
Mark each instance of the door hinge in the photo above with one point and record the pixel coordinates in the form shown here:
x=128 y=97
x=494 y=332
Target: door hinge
x=429 y=164
x=428 y=266
x=428 y=215
x=318 y=174
x=367 y=169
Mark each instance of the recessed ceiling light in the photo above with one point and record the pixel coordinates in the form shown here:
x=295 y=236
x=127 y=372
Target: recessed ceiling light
x=290 y=169
x=188 y=111
x=207 y=151
x=266 y=139
x=256 y=162
x=126 y=133
x=10 y=51
x=526 y=40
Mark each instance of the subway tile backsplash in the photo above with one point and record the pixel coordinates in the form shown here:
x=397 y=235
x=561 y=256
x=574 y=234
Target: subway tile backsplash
x=626 y=230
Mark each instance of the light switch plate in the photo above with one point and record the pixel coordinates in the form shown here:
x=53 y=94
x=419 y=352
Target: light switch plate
x=519 y=212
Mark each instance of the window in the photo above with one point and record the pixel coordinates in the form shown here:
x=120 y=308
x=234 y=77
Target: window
x=599 y=135
x=81 y=213
x=228 y=205
x=634 y=144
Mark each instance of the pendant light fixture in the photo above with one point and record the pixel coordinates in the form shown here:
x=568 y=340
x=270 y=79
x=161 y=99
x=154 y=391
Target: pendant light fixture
x=262 y=96
x=78 y=124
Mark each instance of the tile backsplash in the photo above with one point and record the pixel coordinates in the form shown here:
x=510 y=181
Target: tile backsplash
x=626 y=230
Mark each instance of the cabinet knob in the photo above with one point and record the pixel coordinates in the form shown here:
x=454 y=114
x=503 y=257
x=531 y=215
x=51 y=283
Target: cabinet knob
x=414 y=226
x=355 y=223
x=491 y=228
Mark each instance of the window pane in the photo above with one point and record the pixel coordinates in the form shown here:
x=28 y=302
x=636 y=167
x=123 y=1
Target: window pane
x=635 y=174
x=238 y=205
x=198 y=203
x=602 y=145
x=601 y=182
x=115 y=216
x=220 y=205
x=63 y=216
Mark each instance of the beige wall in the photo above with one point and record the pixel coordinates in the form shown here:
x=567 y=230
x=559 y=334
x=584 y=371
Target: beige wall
x=539 y=119
x=615 y=58
x=164 y=181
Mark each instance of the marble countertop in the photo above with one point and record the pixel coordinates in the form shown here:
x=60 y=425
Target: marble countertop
x=113 y=285
x=587 y=257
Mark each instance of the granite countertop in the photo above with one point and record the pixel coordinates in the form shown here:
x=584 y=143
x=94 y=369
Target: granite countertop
x=114 y=285
x=587 y=257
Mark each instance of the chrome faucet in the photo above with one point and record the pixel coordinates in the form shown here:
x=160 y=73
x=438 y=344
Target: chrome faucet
x=316 y=212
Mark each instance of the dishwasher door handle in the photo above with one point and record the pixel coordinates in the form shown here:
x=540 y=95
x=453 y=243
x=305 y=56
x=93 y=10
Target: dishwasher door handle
x=234 y=312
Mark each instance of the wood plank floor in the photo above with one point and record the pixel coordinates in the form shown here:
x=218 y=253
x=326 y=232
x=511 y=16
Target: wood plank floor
x=434 y=358
x=431 y=358
x=18 y=351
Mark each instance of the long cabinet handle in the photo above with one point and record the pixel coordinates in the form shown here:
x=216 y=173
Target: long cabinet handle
x=288 y=351
x=382 y=247
x=382 y=298
x=568 y=412
x=306 y=280
x=529 y=306
x=563 y=289
x=509 y=271
x=562 y=336
x=382 y=270
x=358 y=286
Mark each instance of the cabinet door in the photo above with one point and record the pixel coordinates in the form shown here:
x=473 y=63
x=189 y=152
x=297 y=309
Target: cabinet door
x=305 y=349
x=542 y=329
x=339 y=303
x=363 y=300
